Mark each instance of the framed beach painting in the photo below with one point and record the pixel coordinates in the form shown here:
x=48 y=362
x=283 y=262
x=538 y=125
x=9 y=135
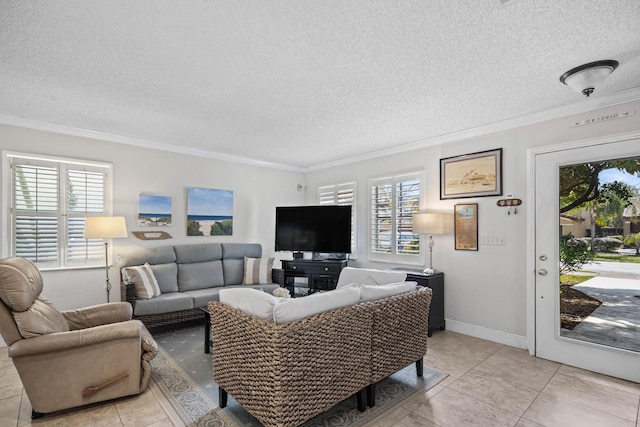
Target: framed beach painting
x=466 y=226
x=471 y=175
x=209 y=212
x=154 y=210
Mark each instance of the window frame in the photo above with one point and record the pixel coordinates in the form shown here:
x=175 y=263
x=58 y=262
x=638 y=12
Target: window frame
x=65 y=238
x=394 y=256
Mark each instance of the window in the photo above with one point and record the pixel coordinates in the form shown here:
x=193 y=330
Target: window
x=50 y=199
x=342 y=194
x=394 y=201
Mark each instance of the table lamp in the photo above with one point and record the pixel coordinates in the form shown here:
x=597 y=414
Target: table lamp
x=430 y=224
x=105 y=227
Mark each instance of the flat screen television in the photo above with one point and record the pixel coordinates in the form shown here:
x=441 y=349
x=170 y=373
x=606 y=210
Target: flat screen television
x=318 y=229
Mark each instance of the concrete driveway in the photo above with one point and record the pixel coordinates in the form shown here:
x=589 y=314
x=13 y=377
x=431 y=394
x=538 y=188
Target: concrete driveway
x=616 y=322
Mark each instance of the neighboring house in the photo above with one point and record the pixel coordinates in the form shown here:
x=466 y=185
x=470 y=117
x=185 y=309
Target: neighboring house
x=576 y=225
x=631 y=216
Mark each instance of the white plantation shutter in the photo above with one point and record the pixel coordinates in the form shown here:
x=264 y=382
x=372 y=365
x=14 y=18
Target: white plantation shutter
x=51 y=198
x=394 y=201
x=342 y=194
x=36 y=213
x=85 y=196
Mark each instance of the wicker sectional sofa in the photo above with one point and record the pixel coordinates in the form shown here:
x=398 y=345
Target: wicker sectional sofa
x=284 y=374
x=188 y=276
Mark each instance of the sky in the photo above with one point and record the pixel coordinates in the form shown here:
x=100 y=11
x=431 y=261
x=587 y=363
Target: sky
x=154 y=204
x=610 y=175
x=208 y=201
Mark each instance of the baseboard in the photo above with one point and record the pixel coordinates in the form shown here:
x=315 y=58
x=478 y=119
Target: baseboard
x=487 y=334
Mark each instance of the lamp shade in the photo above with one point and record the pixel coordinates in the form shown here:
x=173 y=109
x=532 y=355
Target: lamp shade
x=432 y=223
x=104 y=227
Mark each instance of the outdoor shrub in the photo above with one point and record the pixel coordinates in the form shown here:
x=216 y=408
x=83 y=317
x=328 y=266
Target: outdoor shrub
x=574 y=253
x=607 y=244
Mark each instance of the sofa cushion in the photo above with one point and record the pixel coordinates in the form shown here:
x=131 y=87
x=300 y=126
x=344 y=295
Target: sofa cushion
x=198 y=252
x=376 y=292
x=233 y=260
x=200 y=275
x=165 y=303
x=257 y=270
x=40 y=319
x=167 y=276
x=251 y=302
x=291 y=309
x=144 y=281
x=201 y=297
x=138 y=256
x=369 y=276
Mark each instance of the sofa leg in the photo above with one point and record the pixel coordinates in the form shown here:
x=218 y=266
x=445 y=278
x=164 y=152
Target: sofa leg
x=222 y=397
x=360 y=399
x=420 y=366
x=371 y=395
x=35 y=415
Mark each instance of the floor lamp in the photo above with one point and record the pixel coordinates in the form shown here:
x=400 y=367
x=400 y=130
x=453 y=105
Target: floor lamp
x=105 y=227
x=430 y=224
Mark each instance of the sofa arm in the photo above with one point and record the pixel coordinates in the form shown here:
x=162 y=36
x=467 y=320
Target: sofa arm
x=74 y=339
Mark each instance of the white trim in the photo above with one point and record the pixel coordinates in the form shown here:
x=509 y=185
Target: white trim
x=138 y=142
x=487 y=334
x=586 y=105
x=531 y=213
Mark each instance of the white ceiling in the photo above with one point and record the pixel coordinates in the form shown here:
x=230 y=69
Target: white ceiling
x=302 y=83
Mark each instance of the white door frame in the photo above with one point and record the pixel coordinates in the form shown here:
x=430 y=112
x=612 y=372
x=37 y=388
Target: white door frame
x=531 y=215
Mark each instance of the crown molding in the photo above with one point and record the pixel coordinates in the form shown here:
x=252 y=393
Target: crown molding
x=587 y=105
x=138 y=142
x=590 y=104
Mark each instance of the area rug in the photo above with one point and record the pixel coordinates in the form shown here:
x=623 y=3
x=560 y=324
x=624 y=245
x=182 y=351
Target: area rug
x=184 y=375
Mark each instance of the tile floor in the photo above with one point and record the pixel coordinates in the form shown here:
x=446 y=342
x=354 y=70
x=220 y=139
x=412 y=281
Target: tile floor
x=489 y=384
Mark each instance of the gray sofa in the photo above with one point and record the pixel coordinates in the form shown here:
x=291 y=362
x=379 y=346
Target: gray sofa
x=189 y=276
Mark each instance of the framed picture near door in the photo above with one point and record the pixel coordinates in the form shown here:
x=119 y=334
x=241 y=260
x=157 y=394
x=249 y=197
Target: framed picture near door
x=466 y=226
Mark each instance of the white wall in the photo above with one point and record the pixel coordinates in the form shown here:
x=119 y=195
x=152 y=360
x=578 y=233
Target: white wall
x=257 y=190
x=485 y=291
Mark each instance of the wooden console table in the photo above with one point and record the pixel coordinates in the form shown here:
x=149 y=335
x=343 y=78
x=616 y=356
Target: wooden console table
x=317 y=275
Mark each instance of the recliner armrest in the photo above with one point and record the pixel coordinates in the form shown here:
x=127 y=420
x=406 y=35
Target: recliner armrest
x=75 y=339
x=101 y=314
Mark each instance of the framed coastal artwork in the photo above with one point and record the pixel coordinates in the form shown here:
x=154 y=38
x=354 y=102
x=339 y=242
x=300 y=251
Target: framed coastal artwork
x=471 y=175
x=154 y=210
x=209 y=212
x=466 y=226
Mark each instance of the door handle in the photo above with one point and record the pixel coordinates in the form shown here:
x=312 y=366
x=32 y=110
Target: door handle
x=542 y=272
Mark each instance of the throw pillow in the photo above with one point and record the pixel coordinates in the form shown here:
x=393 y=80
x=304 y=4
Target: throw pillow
x=257 y=271
x=376 y=292
x=369 y=276
x=144 y=281
x=252 y=302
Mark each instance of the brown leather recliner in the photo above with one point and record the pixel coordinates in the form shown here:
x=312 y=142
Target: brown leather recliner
x=70 y=358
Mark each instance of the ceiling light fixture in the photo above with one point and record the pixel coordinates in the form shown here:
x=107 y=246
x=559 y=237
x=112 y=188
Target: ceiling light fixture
x=586 y=77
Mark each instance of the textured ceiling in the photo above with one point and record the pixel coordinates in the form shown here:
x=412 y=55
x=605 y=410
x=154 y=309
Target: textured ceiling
x=307 y=82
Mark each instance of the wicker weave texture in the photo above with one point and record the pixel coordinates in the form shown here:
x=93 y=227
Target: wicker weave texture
x=400 y=328
x=286 y=374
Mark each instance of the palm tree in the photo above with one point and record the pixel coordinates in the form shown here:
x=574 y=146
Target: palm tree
x=633 y=239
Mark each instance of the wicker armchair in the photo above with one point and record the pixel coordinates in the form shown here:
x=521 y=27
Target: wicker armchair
x=399 y=335
x=285 y=374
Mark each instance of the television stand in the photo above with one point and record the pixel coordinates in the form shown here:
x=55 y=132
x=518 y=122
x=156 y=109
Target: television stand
x=305 y=276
